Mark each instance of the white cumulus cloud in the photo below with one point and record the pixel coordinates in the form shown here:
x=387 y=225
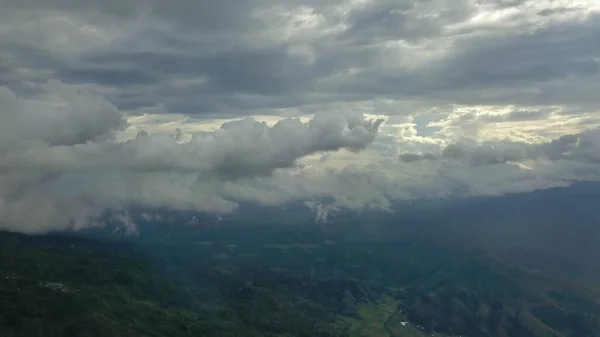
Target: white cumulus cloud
x=61 y=165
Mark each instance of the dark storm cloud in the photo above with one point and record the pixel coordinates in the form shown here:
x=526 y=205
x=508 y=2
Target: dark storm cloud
x=39 y=63
x=259 y=48
x=108 y=77
x=267 y=71
x=383 y=20
x=552 y=53
x=148 y=78
x=205 y=14
x=554 y=61
x=264 y=72
x=402 y=20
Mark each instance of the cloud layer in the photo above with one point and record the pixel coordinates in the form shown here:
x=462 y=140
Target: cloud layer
x=204 y=104
x=204 y=58
x=61 y=159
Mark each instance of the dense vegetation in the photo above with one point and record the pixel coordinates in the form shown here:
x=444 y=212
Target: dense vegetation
x=356 y=277
x=291 y=283
x=66 y=287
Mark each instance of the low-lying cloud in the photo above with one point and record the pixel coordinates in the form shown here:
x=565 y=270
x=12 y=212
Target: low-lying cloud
x=582 y=147
x=60 y=161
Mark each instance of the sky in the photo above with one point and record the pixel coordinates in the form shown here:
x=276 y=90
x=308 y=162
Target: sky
x=342 y=104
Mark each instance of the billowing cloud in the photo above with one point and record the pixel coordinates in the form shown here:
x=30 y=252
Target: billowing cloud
x=67 y=116
x=62 y=152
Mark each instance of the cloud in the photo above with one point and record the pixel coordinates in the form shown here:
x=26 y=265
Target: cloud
x=71 y=182
x=68 y=117
x=240 y=148
x=205 y=58
x=112 y=104
x=408 y=157
x=581 y=147
x=62 y=153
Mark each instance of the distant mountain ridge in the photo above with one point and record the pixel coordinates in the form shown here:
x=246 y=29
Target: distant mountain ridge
x=554 y=230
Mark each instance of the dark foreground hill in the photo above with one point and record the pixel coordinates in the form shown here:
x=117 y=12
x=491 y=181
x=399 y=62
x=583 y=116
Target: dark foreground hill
x=53 y=286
